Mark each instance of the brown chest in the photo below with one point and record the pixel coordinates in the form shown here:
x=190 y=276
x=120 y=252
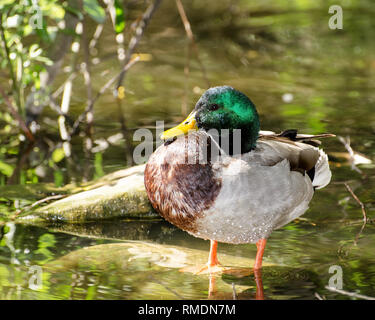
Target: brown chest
x=180 y=191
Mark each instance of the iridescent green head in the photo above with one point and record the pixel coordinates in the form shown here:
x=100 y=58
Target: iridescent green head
x=222 y=108
x=226 y=108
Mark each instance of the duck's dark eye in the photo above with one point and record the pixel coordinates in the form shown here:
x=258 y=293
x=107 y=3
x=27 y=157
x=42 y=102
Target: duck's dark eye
x=213 y=107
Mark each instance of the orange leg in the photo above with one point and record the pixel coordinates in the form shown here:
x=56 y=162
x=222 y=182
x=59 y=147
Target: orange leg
x=212 y=258
x=213 y=265
x=261 y=245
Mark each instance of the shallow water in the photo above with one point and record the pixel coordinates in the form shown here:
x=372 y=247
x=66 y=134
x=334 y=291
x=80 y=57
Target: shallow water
x=266 y=52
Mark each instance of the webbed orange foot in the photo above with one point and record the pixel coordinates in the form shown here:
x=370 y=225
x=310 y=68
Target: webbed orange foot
x=208 y=268
x=212 y=266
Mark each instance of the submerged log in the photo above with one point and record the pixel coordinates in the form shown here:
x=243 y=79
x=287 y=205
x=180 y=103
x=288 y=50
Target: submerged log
x=118 y=195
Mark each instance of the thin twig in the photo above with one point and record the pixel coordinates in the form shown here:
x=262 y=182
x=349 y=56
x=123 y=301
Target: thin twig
x=64 y=134
x=67 y=92
x=36 y=203
x=190 y=35
x=363 y=211
x=11 y=71
x=101 y=91
x=60 y=89
x=111 y=81
x=358 y=201
x=87 y=65
x=95 y=37
x=119 y=36
x=234 y=291
x=359 y=233
x=350 y=294
x=317 y=295
x=137 y=37
x=56 y=54
x=128 y=61
x=120 y=90
x=186 y=89
x=87 y=76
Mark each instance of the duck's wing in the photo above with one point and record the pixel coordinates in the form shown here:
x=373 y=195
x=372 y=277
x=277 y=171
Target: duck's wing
x=301 y=152
x=293 y=135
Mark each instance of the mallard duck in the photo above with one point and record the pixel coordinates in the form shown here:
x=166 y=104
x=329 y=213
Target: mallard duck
x=260 y=182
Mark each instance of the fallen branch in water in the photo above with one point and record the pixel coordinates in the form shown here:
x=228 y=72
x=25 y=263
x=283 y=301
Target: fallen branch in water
x=350 y=294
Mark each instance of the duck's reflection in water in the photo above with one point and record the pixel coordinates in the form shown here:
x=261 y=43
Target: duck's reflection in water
x=280 y=283
x=259 y=284
x=214 y=294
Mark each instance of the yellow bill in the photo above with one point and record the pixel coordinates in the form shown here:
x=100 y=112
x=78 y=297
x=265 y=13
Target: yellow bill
x=189 y=124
